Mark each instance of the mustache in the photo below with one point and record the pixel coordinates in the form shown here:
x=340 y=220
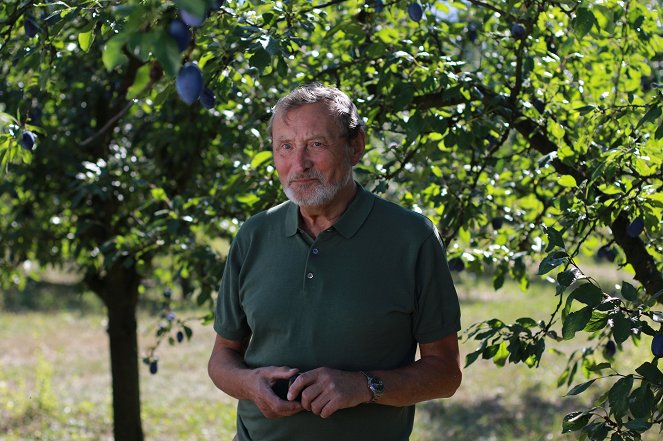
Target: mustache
x=313 y=174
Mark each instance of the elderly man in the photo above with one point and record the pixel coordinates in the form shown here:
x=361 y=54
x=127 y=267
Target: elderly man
x=333 y=290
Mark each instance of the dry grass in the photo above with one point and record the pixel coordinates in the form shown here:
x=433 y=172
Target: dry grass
x=55 y=380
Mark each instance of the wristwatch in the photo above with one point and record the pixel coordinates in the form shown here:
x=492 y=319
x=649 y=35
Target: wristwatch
x=375 y=385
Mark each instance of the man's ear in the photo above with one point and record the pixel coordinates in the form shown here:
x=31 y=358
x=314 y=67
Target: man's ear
x=357 y=145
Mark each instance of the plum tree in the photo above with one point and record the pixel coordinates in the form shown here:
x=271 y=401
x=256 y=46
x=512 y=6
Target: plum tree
x=456 y=130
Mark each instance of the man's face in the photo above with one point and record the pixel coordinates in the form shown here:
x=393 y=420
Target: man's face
x=314 y=161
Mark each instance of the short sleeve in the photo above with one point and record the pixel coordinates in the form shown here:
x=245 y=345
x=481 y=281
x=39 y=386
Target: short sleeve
x=230 y=319
x=437 y=312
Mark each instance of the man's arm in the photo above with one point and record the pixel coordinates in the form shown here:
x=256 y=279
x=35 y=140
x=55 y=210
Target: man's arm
x=437 y=374
x=229 y=373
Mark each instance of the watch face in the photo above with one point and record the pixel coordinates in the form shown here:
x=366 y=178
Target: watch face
x=377 y=386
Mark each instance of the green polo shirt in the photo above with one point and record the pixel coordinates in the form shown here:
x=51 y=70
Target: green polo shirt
x=358 y=297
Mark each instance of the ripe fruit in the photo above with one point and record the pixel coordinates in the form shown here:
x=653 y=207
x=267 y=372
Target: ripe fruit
x=189 y=83
x=179 y=336
x=610 y=349
x=378 y=5
x=167 y=293
x=497 y=222
x=191 y=19
x=207 y=98
x=456 y=264
x=27 y=140
x=517 y=31
x=472 y=32
x=30 y=26
x=635 y=227
x=415 y=11
x=180 y=33
x=657 y=345
x=154 y=367
x=607 y=252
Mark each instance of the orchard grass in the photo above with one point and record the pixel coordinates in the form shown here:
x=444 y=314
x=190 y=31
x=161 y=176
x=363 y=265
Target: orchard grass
x=55 y=379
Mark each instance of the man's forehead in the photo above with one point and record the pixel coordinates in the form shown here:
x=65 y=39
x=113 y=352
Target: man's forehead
x=288 y=121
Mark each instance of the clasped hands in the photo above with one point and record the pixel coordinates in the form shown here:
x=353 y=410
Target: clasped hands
x=323 y=391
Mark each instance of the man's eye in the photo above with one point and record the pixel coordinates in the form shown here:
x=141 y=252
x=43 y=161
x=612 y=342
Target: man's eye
x=286 y=146
x=317 y=144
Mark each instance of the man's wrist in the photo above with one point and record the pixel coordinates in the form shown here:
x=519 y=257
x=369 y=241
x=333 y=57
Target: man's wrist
x=374 y=385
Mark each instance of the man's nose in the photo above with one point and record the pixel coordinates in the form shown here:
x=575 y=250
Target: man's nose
x=303 y=157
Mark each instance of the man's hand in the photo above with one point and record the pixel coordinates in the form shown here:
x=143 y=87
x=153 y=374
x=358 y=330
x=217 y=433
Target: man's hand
x=325 y=390
x=262 y=380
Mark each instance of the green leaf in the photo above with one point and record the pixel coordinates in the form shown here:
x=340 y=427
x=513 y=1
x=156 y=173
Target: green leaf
x=566 y=278
x=112 y=55
x=141 y=80
x=260 y=59
x=574 y=421
x=248 y=199
x=659 y=132
x=575 y=322
x=85 y=40
x=159 y=194
x=638 y=425
x=567 y=181
x=652 y=115
x=621 y=328
x=501 y=355
x=651 y=373
x=583 y=22
x=554 y=239
x=597 y=430
x=588 y=293
x=167 y=53
x=598 y=321
x=195 y=7
x=584 y=109
x=403 y=96
x=599 y=367
x=552 y=261
x=261 y=158
x=642 y=402
x=618 y=395
x=580 y=388
x=629 y=292
x=471 y=358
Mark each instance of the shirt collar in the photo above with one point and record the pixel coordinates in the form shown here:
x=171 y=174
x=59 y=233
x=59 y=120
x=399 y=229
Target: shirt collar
x=350 y=221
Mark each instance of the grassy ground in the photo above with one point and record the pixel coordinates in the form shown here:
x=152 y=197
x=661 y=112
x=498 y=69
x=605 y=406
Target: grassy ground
x=55 y=380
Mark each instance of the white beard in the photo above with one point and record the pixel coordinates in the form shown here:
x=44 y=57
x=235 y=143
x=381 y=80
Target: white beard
x=316 y=195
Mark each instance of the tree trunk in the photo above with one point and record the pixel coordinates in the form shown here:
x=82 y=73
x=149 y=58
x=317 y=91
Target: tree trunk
x=119 y=291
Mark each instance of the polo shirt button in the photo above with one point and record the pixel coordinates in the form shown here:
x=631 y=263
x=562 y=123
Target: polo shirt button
x=315 y=251
x=309 y=275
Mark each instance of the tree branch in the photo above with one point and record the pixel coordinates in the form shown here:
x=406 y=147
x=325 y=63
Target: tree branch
x=646 y=271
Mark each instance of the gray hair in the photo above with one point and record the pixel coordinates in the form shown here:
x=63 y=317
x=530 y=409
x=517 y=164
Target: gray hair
x=338 y=103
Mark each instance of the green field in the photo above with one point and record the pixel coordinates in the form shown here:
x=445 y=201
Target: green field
x=55 y=380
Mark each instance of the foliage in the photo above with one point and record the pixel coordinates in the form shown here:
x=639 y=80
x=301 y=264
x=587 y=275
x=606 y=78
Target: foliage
x=527 y=130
